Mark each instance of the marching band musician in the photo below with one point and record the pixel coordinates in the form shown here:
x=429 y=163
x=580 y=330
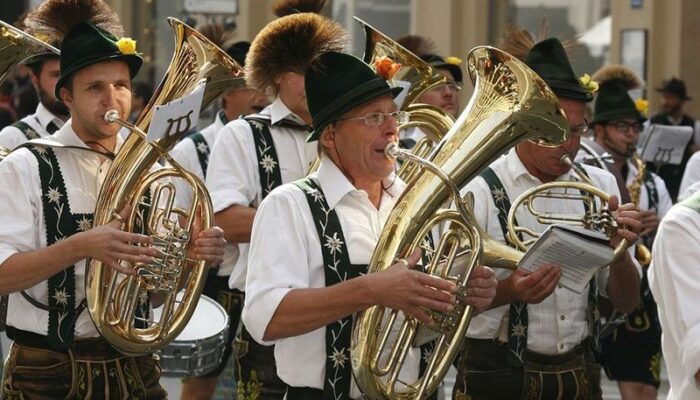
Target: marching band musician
x=675 y=284
x=312 y=239
x=537 y=340
x=43 y=71
x=631 y=355
x=192 y=153
x=47 y=234
x=259 y=152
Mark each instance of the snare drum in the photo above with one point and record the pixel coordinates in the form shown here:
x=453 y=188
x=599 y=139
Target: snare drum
x=198 y=349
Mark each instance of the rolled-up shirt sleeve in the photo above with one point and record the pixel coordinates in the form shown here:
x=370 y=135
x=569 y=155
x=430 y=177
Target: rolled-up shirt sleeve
x=231 y=174
x=278 y=260
x=19 y=208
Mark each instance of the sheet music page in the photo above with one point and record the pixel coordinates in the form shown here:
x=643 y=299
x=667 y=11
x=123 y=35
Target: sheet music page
x=579 y=257
x=666 y=144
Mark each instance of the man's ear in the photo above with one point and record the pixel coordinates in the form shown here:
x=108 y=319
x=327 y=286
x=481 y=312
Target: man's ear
x=327 y=137
x=65 y=96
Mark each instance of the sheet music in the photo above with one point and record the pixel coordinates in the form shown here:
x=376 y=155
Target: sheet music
x=177 y=117
x=579 y=257
x=665 y=144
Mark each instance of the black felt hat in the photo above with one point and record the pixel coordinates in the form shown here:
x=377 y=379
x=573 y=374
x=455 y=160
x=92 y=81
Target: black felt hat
x=238 y=51
x=549 y=60
x=337 y=83
x=613 y=101
x=87 y=44
x=674 y=86
x=436 y=61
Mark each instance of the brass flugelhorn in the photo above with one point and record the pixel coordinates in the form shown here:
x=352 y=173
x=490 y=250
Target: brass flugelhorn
x=133 y=179
x=596 y=217
x=511 y=103
x=15 y=47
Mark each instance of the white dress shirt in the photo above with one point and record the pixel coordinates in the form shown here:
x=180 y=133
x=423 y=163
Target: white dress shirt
x=233 y=176
x=691 y=175
x=559 y=322
x=674 y=278
x=24 y=229
x=187 y=155
x=11 y=137
x=285 y=254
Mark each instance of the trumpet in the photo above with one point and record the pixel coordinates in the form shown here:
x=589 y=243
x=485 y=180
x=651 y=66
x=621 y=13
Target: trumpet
x=597 y=216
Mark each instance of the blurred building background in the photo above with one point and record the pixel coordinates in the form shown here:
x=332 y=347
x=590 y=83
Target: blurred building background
x=658 y=38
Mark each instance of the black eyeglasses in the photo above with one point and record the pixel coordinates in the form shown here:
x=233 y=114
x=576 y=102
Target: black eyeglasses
x=625 y=126
x=580 y=129
x=376 y=119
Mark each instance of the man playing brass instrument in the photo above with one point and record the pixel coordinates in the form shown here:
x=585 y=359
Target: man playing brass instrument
x=43 y=71
x=538 y=341
x=255 y=154
x=47 y=232
x=192 y=153
x=312 y=240
x=631 y=355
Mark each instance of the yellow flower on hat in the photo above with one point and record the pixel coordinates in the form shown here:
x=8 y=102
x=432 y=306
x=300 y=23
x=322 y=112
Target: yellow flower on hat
x=454 y=60
x=588 y=83
x=126 y=45
x=642 y=105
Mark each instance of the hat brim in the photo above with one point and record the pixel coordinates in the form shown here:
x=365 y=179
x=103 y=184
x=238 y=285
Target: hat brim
x=455 y=70
x=665 y=90
x=569 y=90
x=359 y=99
x=37 y=58
x=617 y=114
x=134 y=61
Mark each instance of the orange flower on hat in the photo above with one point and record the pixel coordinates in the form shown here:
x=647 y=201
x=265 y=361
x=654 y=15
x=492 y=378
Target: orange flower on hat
x=126 y=45
x=386 y=67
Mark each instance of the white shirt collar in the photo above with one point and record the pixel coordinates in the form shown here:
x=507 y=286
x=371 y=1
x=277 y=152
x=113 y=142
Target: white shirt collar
x=516 y=169
x=44 y=116
x=336 y=185
x=67 y=136
x=279 y=111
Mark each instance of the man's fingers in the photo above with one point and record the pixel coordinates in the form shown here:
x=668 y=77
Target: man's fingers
x=437 y=283
x=213 y=232
x=414 y=257
x=117 y=266
x=421 y=316
x=613 y=203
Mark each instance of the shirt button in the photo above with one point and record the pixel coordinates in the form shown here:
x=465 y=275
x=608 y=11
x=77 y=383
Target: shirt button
x=563 y=317
x=561 y=346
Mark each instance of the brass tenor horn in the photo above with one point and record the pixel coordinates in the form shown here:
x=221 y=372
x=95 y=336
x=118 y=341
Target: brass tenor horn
x=420 y=77
x=510 y=104
x=112 y=297
x=15 y=47
x=596 y=217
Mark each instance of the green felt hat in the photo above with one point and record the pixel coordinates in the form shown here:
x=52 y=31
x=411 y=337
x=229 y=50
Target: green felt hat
x=549 y=60
x=614 y=103
x=87 y=44
x=336 y=84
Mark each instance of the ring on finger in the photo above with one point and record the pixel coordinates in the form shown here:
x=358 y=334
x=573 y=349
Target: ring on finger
x=119 y=218
x=403 y=262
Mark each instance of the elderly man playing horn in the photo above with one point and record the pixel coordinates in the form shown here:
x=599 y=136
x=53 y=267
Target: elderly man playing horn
x=46 y=234
x=312 y=239
x=538 y=340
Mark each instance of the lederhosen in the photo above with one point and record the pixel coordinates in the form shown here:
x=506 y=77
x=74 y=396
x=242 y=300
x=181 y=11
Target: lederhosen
x=632 y=352
x=493 y=370
x=257 y=371
x=57 y=365
x=215 y=286
x=673 y=174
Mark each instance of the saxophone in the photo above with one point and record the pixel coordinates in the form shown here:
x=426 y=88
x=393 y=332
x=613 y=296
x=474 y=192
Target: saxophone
x=643 y=254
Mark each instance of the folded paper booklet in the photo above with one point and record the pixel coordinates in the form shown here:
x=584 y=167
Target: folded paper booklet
x=663 y=144
x=579 y=252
